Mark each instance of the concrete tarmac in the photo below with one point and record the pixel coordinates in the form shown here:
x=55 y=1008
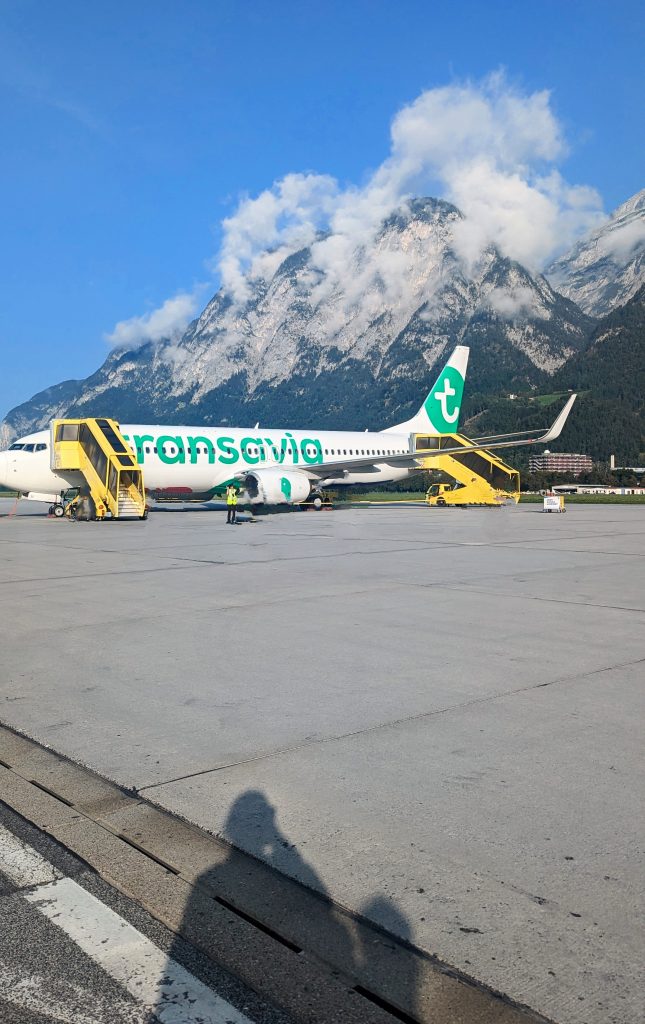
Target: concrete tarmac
x=61 y=967
x=434 y=716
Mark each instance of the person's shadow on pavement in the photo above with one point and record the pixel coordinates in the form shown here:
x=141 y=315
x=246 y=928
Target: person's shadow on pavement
x=343 y=941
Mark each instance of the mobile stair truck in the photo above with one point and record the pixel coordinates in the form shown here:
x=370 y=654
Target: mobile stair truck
x=480 y=478
x=102 y=469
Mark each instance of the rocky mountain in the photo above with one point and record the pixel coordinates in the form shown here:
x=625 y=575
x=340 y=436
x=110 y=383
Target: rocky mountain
x=353 y=348
x=609 y=376
x=47 y=405
x=607 y=268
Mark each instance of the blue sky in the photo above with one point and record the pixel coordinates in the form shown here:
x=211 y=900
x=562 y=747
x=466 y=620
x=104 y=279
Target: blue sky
x=130 y=130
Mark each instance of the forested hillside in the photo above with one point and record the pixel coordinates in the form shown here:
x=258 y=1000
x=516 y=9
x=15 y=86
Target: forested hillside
x=609 y=376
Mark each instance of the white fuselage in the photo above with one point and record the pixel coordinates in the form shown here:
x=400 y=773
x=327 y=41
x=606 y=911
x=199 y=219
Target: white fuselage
x=195 y=461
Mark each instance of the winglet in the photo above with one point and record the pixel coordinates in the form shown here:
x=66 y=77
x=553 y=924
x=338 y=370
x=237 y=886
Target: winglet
x=556 y=429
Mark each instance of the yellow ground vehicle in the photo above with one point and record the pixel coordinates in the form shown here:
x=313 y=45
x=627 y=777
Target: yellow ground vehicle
x=445 y=494
x=112 y=481
x=480 y=478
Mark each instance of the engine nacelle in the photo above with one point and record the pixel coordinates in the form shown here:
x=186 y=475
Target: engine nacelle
x=277 y=487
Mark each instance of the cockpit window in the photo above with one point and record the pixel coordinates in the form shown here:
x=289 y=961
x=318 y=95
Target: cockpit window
x=15 y=447
x=40 y=447
x=28 y=447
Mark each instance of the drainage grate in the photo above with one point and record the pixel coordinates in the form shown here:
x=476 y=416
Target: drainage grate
x=146 y=853
x=384 y=1005
x=258 y=924
x=51 y=792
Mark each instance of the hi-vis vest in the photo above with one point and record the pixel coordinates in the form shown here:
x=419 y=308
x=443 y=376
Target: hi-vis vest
x=231 y=496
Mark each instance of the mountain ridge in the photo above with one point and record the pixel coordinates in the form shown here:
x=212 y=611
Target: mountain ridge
x=605 y=269
x=609 y=376
x=306 y=340
x=315 y=348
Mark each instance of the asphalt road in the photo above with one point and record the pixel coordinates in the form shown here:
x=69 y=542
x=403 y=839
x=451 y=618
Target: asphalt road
x=433 y=716
x=73 y=950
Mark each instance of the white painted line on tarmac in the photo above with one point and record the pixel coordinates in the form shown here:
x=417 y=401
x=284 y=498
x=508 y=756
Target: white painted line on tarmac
x=156 y=981
x=22 y=865
x=60 y=999
x=148 y=974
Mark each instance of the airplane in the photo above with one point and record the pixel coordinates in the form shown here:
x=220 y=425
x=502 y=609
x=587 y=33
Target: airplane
x=274 y=467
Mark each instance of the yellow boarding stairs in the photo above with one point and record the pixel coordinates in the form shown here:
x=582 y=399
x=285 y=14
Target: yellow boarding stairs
x=482 y=478
x=113 y=481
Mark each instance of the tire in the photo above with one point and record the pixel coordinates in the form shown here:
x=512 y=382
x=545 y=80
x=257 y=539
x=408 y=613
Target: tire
x=317 y=502
x=58 y=511
x=86 y=510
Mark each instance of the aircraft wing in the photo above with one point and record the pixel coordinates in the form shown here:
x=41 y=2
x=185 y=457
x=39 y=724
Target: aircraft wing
x=417 y=460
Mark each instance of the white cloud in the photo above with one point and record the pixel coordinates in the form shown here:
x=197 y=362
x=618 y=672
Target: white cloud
x=623 y=241
x=282 y=218
x=167 y=323
x=510 y=303
x=486 y=147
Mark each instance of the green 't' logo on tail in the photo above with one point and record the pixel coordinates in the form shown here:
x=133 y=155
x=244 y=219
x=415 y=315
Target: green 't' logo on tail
x=444 y=401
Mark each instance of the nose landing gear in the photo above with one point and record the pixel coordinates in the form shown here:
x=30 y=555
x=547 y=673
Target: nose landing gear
x=66 y=504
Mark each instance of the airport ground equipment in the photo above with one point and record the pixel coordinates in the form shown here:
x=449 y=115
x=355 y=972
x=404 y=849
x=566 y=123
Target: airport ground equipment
x=112 y=481
x=554 y=503
x=442 y=495
x=482 y=478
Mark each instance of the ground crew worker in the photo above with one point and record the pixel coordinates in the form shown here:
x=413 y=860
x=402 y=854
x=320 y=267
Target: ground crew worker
x=231 y=502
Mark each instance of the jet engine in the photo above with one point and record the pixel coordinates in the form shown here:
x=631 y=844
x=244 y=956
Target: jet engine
x=277 y=487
